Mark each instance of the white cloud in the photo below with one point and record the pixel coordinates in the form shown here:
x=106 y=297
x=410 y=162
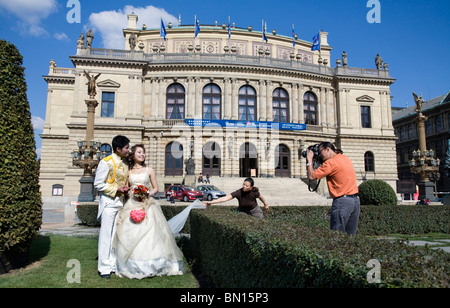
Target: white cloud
x=111 y=23
x=38 y=123
x=30 y=14
x=61 y=37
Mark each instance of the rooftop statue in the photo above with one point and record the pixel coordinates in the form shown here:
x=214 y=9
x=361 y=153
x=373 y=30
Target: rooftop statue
x=89 y=38
x=379 y=62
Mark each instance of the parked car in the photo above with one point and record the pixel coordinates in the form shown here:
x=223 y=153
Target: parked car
x=210 y=192
x=183 y=192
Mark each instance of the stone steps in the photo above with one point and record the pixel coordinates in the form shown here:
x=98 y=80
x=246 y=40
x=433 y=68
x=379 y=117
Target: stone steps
x=276 y=191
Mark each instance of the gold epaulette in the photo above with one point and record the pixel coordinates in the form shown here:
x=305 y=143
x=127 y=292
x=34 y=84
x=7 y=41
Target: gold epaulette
x=107 y=158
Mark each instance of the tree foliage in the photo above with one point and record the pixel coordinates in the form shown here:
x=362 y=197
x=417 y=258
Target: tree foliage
x=20 y=199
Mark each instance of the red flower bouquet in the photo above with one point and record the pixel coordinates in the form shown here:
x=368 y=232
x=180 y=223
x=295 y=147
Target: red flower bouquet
x=137 y=215
x=140 y=193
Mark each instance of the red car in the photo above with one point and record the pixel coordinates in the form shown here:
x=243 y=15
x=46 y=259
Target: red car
x=183 y=192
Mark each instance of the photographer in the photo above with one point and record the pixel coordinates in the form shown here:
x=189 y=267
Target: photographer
x=341 y=181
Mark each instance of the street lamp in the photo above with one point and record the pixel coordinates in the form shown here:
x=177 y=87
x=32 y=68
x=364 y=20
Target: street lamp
x=88 y=154
x=423 y=161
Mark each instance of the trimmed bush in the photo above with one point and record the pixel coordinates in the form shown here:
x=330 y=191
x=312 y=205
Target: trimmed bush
x=235 y=250
x=20 y=199
x=87 y=214
x=377 y=192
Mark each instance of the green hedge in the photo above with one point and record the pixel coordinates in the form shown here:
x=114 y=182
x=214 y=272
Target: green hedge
x=235 y=250
x=375 y=220
x=87 y=214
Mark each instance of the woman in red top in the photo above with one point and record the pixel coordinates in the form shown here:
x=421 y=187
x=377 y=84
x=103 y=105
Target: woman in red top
x=341 y=180
x=246 y=196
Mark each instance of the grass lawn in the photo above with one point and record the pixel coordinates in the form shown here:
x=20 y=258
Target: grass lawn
x=50 y=254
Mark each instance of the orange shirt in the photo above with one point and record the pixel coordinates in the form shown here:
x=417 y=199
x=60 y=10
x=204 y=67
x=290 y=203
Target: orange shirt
x=341 y=177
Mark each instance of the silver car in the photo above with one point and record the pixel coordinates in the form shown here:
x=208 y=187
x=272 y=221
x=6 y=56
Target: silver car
x=210 y=192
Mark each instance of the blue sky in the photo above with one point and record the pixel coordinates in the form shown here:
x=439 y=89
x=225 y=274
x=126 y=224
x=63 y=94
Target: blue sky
x=413 y=36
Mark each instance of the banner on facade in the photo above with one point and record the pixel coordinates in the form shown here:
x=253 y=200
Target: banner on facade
x=245 y=124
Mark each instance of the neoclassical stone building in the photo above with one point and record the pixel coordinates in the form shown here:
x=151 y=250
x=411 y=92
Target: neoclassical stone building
x=236 y=105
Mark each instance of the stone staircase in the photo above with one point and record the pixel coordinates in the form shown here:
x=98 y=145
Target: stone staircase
x=276 y=191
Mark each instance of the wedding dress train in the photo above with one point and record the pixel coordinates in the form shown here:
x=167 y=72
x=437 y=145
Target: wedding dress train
x=148 y=248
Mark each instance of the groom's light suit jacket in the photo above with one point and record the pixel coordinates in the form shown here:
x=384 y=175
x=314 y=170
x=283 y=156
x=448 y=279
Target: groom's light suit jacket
x=111 y=174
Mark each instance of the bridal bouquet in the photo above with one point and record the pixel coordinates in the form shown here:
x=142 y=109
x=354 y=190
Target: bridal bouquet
x=137 y=215
x=140 y=193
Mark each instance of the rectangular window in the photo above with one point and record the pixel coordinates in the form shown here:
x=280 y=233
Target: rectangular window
x=365 y=117
x=108 y=104
x=57 y=190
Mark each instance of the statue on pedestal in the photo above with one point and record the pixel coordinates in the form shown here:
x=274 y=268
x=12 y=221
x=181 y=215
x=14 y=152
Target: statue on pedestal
x=190 y=166
x=419 y=102
x=92 y=92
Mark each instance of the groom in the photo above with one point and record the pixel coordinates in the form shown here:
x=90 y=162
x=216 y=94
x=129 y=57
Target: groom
x=110 y=181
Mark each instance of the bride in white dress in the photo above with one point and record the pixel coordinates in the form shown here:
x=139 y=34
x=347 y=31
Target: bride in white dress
x=147 y=248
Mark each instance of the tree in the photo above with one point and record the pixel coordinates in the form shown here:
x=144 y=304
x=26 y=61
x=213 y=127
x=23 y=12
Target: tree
x=20 y=199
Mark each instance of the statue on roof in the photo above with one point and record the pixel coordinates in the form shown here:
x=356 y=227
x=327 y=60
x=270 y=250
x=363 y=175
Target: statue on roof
x=419 y=102
x=379 y=62
x=80 y=42
x=89 y=38
x=132 y=41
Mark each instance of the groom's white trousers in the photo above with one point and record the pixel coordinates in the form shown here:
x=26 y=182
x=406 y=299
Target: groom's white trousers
x=106 y=260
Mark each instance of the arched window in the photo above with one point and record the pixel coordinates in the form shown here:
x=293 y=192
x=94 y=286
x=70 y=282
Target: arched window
x=247 y=104
x=212 y=102
x=369 y=162
x=280 y=102
x=106 y=148
x=174 y=159
x=310 y=108
x=175 y=101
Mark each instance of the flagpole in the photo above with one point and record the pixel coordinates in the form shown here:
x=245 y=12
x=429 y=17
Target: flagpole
x=195 y=29
x=320 y=44
x=229 y=31
x=160 y=33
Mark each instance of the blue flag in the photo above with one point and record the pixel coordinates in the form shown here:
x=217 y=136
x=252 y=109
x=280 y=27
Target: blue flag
x=264 y=34
x=163 y=30
x=293 y=36
x=197 y=27
x=316 y=42
x=229 y=30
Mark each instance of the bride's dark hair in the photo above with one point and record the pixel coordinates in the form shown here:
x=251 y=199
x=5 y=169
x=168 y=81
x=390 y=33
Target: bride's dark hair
x=131 y=155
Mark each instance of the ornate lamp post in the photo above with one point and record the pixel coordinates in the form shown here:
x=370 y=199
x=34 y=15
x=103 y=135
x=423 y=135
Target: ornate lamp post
x=88 y=154
x=423 y=161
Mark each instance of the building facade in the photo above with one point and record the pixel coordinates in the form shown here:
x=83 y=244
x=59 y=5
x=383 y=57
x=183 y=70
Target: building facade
x=237 y=105
x=437 y=128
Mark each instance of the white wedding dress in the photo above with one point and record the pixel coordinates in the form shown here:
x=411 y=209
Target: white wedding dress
x=148 y=248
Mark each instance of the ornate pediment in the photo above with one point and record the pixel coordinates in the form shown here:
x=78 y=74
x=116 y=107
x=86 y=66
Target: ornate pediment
x=108 y=83
x=365 y=99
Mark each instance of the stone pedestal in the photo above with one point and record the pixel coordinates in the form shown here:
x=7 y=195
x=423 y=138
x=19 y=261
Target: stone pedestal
x=426 y=191
x=190 y=180
x=86 y=189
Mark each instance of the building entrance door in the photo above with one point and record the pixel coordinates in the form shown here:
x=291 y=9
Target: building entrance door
x=282 y=162
x=248 y=160
x=211 y=159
